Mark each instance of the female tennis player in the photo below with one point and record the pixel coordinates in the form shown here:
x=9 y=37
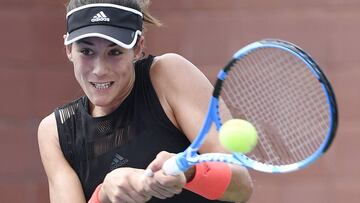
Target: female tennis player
x=136 y=112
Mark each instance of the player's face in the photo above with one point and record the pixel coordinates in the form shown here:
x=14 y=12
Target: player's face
x=103 y=69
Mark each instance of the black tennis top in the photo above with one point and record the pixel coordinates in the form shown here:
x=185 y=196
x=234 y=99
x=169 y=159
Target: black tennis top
x=131 y=136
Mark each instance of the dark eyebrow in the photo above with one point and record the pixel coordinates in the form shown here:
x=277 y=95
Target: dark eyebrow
x=112 y=45
x=84 y=41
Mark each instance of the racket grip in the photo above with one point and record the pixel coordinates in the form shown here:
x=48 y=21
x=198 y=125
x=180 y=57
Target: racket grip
x=171 y=166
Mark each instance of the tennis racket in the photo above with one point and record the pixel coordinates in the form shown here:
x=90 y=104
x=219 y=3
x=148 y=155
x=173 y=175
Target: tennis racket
x=282 y=91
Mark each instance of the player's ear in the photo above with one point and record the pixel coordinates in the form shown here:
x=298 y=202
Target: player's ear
x=68 y=49
x=139 y=48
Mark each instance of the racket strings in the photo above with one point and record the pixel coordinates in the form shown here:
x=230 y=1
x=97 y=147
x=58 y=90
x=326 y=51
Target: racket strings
x=279 y=94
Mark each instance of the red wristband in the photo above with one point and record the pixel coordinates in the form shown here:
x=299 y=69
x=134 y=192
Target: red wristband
x=95 y=196
x=211 y=180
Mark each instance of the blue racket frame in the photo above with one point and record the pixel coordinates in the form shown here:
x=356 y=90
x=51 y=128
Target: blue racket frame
x=190 y=156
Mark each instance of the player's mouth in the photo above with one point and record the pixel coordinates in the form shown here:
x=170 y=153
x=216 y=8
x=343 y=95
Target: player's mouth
x=102 y=85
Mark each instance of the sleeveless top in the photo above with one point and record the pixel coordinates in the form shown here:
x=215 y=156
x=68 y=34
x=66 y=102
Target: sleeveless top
x=130 y=136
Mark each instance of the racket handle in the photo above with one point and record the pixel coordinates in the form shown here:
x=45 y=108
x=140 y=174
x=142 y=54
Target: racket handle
x=171 y=167
x=148 y=173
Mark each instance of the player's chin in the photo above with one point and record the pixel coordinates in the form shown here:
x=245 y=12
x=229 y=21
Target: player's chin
x=101 y=101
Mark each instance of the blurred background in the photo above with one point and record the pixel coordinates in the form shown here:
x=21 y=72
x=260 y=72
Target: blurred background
x=35 y=78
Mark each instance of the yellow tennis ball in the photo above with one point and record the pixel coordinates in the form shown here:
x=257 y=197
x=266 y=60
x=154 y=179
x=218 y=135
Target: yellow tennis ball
x=238 y=135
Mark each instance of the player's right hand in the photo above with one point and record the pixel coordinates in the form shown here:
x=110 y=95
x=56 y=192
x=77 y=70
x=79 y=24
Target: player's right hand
x=125 y=185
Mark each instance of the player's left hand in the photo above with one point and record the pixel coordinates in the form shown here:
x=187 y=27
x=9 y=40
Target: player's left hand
x=161 y=185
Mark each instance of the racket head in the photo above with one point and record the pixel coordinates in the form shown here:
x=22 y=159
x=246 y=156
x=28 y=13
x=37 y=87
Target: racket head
x=281 y=90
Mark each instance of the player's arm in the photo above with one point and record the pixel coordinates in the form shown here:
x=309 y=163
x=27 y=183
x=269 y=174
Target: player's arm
x=64 y=185
x=187 y=92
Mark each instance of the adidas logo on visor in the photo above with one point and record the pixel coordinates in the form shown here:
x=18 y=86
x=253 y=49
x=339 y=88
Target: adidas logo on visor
x=100 y=17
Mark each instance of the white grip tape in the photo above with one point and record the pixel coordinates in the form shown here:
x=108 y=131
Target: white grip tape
x=170 y=167
x=148 y=173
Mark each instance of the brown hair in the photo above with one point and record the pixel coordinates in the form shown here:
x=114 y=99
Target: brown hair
x=140 y=5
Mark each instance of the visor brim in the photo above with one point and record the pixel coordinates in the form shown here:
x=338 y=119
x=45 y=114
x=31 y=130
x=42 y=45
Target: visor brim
x=125 y=38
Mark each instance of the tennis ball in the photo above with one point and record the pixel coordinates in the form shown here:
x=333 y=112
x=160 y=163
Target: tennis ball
x=238 y=135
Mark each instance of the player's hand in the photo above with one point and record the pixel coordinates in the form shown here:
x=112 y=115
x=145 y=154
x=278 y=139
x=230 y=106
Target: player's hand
x=161 y=185
x=125 y=185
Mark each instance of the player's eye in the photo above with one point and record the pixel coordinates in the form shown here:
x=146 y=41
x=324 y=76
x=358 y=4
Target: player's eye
x=86 y=51
x=115 y=52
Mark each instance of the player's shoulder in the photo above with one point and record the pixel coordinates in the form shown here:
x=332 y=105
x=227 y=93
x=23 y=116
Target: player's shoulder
x=170 y=66
x=174 y=75
x=172 y=61
x=47 y=129
x=48 y=121
x=169 y=58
